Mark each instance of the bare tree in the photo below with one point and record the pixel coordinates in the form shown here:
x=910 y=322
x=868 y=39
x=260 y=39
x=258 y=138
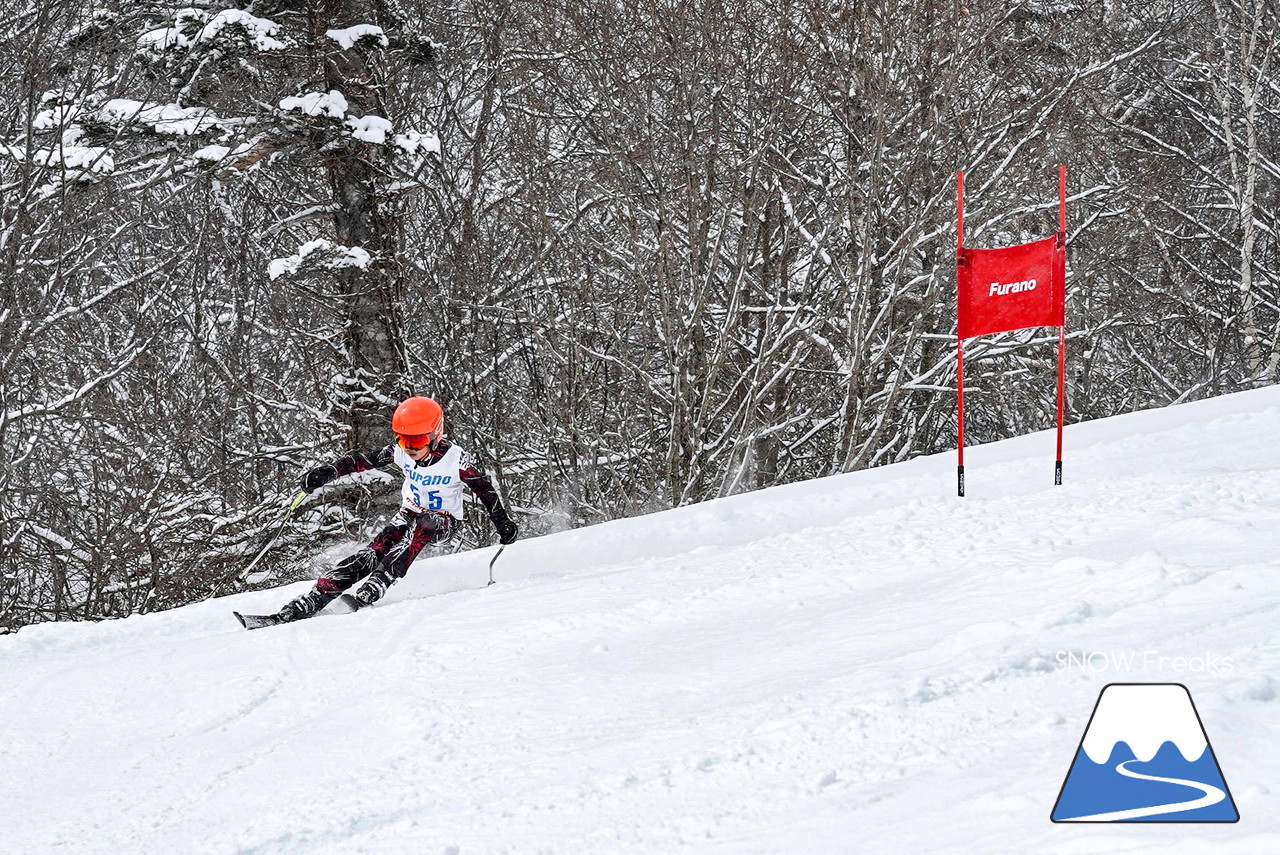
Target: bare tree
x=645 y=253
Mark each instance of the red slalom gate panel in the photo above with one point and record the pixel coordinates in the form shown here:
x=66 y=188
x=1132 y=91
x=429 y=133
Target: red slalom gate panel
x=1010 y=288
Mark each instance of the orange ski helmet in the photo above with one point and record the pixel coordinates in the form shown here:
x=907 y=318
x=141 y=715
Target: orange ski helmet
x=418 y=423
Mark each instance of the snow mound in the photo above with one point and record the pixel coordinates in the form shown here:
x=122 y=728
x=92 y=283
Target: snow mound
x=370 y=129
x=416 y=144
x=349 y=37
x=864 y=657
x=193 y=27
x=165 y=119
x=331 y=104
x=320 y=254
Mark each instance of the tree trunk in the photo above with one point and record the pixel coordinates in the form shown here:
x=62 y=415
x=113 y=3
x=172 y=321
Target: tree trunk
x=376 y=360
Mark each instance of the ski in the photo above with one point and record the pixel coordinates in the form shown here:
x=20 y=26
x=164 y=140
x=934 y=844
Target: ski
x=258 y=621
x=349 y=602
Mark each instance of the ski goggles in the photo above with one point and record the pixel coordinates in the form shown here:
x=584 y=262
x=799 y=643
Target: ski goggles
x=417 y=442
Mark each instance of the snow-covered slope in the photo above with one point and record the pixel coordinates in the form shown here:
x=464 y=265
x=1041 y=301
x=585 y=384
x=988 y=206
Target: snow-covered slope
x=864 y=663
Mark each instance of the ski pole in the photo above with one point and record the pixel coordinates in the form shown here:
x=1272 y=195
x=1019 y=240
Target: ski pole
x=293 y=505
x=495 y=558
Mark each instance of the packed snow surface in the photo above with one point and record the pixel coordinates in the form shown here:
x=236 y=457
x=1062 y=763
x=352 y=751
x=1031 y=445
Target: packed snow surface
x=862 y=663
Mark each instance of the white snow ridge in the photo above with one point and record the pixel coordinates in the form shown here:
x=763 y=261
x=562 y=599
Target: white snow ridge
x=319 y=254
x=370 y=129
x=349 y=36
x=860 y=663
x=332 y=104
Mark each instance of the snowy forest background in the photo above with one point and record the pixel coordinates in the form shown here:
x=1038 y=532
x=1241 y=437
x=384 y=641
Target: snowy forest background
x=646 y=253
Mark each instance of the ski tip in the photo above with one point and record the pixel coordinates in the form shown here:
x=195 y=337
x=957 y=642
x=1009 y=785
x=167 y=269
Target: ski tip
x=257 y=621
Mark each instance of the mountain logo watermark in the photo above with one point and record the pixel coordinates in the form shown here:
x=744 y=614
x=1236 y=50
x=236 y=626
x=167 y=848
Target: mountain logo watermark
x=1145 y=757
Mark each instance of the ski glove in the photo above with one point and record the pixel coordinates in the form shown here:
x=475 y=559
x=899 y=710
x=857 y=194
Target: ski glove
x=507 y=530
x=318 y=477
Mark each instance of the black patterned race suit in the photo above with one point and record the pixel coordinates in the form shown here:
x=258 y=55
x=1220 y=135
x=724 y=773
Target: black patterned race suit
x=387 y=557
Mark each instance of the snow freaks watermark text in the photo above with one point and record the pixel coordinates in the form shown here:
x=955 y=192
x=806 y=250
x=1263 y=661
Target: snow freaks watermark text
x=1141 y=662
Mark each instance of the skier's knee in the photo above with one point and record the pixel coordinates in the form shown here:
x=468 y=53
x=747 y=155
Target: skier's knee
x=439 y=528
x=330 y=586
x=383 y=542
x=353 y=568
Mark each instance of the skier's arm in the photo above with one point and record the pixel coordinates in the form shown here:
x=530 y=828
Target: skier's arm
x=476 y=478
x=355 y=462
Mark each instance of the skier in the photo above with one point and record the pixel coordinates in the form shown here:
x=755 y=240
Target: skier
x=435 y=471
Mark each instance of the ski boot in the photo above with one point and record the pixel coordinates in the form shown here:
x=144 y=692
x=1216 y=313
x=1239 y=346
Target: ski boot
x=309 y=604
x=371 y=590
x=305 y=606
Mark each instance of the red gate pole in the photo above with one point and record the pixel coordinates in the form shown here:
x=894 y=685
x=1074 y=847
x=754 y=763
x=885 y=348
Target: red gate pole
x=1060 y=266
x=959 y=340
